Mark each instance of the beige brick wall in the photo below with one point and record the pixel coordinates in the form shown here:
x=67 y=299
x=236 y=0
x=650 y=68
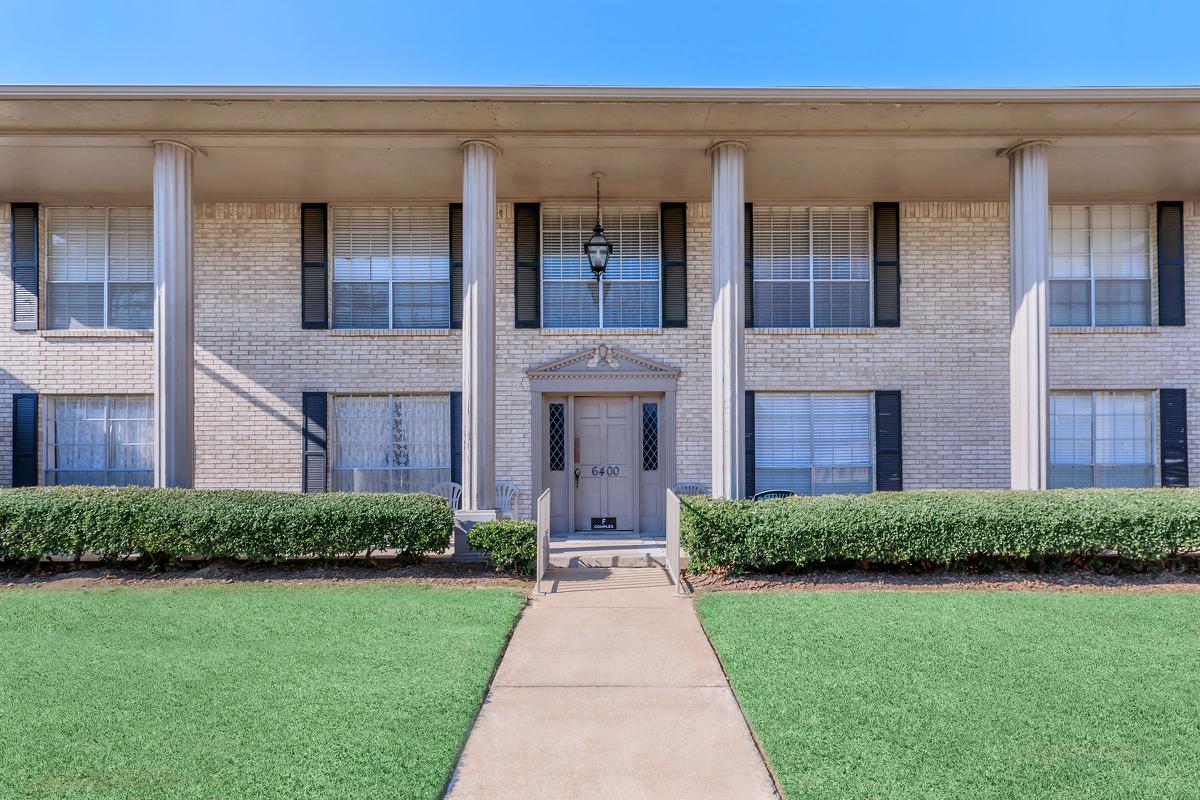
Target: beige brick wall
x=1142 y=358
x=949 y=357
x=60 y=362
x=686 y=349
x=253 y=360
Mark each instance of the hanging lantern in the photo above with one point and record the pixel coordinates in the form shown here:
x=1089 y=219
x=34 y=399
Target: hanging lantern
x=598 y=248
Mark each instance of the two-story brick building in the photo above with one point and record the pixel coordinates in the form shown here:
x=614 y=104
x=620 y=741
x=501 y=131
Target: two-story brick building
x=815 y=290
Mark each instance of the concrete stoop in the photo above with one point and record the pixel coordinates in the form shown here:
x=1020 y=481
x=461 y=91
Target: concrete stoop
x=607 y=551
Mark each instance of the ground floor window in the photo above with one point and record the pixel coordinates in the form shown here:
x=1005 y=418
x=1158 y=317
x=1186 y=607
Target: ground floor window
x=390 y=442
x=1101 y=439
x=818 y=443
x=99 y=440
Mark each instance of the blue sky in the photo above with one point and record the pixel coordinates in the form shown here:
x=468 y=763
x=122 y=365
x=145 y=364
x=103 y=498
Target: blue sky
x=734 y=43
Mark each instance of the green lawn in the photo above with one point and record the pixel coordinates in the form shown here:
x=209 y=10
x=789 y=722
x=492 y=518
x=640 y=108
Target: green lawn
x=244 y=691
x=906 y=695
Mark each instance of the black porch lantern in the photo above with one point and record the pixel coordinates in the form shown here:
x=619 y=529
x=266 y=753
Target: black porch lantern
x=598 y=248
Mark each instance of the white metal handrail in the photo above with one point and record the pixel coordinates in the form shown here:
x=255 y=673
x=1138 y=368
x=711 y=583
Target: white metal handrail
x=543 y=538
x=673 y=570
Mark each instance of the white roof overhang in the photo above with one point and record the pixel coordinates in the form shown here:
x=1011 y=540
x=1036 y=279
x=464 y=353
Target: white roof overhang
x=92 y=144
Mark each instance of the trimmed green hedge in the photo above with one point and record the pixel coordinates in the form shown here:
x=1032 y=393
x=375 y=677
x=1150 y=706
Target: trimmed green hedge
x=174 y=523
x=510 y=544
x=940 y=527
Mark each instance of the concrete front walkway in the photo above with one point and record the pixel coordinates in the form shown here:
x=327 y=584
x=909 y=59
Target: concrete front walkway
x=609 y=690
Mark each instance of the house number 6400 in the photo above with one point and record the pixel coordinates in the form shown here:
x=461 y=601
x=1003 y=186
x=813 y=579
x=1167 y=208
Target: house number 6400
x=598 y=471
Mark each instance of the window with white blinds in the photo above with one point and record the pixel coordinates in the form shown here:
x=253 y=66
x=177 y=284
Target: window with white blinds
x=100 y=268
x=629 y=296
x=1100 y=265
x=812 y=267
x=812 y=443
x=390 y=442
x=391 y=267
x=99 y=441
x=1101 y=439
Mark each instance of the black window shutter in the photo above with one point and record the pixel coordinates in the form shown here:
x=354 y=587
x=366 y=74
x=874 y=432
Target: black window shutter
x=1172 y=423
x=1170 y=263
x=673 y=222
x=25 y=266
x=315 y=458
x=527 y=220
x=748 y=235
x=314 y=265
x=749 y=416
x=24 y=440
x=456 y=437
x=456 y=265
x=889 y=463
x=887 y=265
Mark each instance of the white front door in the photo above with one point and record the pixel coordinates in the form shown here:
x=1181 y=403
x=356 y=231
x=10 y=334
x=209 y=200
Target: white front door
x=604 y=465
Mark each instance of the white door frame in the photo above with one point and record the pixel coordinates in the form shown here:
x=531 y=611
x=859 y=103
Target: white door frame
x=600 y=371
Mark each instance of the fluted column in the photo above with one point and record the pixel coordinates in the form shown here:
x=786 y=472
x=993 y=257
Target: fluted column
x=1029 y=254
x=174 y=328
x=728 y=319
x=479 y=322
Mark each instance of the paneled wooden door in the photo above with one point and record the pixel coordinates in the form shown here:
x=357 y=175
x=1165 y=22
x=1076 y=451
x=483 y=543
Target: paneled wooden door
x=604 y=464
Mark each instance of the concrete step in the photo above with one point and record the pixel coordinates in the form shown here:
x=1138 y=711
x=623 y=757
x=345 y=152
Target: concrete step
x=607 y=551
x=605 y=560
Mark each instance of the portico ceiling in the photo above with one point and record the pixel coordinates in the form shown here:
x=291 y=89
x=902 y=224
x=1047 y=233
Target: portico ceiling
x=92 y=144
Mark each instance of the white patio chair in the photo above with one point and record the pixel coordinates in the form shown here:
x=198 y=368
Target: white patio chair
x=451 y=491
x=691 y=489
x=507 y=493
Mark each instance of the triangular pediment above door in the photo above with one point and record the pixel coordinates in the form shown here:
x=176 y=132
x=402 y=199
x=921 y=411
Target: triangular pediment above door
x=602 y=360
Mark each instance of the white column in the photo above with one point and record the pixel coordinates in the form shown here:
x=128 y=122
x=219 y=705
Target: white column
x=728 y=319
x=1029 y=254
x=479 y=322
x=174 y=329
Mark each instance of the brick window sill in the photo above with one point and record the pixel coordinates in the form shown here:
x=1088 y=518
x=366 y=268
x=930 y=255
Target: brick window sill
x=89 y=333
x=406 y=333
x=1086 y=331
x=601 y=331
x=811 y=331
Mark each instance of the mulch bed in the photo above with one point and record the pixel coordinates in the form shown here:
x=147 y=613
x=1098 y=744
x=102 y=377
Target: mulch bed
x=92 y=576
x=949 y=580
x=466 y=574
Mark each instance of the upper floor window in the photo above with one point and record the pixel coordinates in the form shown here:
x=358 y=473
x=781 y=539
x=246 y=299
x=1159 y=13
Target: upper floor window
x=813 y=443
x=391 y=267
x=100 y=268
x=99 y=440
x=1101 y=439
x=1100 y=265
x=390 y=443
x=630 y=294
x=812 y=267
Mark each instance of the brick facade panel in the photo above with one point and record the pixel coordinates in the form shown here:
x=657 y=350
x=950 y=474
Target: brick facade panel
x=253 y=361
